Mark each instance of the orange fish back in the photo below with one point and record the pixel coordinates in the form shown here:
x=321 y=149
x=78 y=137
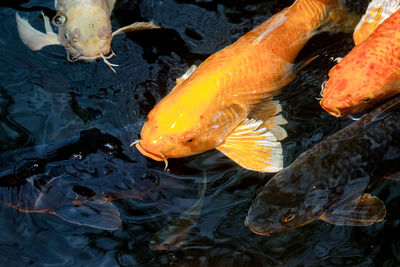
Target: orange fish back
x=368 y=74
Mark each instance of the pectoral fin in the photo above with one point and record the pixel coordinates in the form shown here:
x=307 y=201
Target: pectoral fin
x=33 y=38
x=98 y=214
x=137 y=26
x=268 y=112
x=362 y=211
x=253 y=147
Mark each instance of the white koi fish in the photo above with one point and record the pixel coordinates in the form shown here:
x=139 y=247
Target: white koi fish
x=84 y=29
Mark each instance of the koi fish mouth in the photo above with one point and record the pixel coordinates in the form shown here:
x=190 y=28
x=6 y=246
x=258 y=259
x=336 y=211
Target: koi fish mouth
x=334 y=112
x=254 y=230
x=85 y=58
x=149 y=154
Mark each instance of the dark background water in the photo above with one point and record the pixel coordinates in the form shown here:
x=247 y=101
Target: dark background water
x=44 y=99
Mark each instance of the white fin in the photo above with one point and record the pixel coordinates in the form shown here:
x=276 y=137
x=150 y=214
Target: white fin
x=377 y=12
x=137 y=26
x=33 y=38
x=253 y=148
x=111 y=4
x=184 y=77
x=279 y=132
x=268 y=111
x=47 y=24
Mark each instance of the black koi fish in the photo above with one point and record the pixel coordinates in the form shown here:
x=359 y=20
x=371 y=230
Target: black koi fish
x=327 y=181
x=76 y=179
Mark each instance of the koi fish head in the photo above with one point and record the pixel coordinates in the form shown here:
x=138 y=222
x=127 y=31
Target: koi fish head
x=85 y=32
x=179 y=126
x=348 y=91
x=282 y=205
x=340 y=100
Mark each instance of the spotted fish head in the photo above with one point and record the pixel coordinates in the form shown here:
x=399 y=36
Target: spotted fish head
x=85 y=33
x=355 y=86
x=283 y=204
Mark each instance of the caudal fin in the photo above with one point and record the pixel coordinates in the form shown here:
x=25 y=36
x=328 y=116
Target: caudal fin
x=377 y=12
x=339 y=19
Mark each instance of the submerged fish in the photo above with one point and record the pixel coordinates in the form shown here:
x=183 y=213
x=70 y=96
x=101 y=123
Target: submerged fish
x=84 y=29
x=78 y=178
x=175 y=232
x=327 y=181
x=368 y=74
x=226 y=103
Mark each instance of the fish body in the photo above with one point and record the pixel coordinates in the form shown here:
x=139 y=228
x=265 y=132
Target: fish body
x=226 y=103
x=84 y=29
x=77 y=179
x=368 y=74
x=327 y=181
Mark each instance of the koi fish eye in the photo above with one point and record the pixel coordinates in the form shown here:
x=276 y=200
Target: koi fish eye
x=59 y=20
x=366 y=100
x=288 y=218
x=187 y=138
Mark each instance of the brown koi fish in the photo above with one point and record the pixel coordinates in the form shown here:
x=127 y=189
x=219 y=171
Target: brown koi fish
x=327 y=182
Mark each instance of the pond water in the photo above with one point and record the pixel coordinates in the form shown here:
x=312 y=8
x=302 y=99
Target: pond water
x=46 y=100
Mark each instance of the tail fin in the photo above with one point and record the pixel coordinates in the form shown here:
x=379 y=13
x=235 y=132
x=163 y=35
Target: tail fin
x=339 y=19
x=377 y=12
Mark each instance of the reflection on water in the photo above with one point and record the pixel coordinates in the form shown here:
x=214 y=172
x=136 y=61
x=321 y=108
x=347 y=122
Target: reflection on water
x=44 y=99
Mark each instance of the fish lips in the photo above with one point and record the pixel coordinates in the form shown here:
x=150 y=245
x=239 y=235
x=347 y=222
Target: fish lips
x=147 y=153
x=256 y=220
x=333 y=111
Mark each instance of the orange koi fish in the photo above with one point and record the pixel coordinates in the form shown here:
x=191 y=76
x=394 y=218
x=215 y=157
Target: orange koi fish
x=226 y=103
x=368 y=74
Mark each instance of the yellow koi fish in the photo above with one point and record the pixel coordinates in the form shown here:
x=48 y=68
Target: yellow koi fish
x=226 y=103
x=84 y=29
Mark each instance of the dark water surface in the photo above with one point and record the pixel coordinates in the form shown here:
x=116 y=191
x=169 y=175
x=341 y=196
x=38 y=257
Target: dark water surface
x=45 y=99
